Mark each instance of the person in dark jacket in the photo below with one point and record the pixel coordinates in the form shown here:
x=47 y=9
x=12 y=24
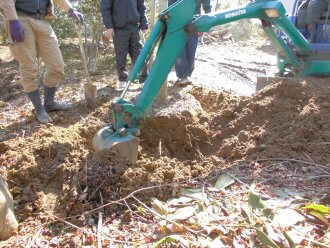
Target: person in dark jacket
x=123 y=19
x=185 y=63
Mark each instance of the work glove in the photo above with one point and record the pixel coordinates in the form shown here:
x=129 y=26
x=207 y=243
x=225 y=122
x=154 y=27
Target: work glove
x=76 y=16
x=16 y=31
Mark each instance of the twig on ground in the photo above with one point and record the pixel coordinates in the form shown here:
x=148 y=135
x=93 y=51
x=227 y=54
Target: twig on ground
x=238 y=180
x=91 y=233
x=309 y=157
x=125 y=198
x=320 y=143
x=203 y=141
x=293 y=160
x=101 y=199
x=99 y=224
x=160 y=147
x=133 y=212
x=170 y=221
x=266 y=167
x=83 y=195
x=99 y=230
x=96 y=190
x=31 y=242
x=317 y=177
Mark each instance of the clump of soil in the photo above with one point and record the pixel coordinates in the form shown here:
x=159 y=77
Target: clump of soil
x=53 y=168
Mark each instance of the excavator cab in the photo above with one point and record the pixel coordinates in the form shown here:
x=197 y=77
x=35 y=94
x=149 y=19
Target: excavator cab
x=323 y=24
x=320 y=48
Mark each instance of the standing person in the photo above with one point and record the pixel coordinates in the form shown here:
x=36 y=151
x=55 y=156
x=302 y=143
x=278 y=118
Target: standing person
x=30 y=33
x=314 y=11
x=123 y=20
x=185 y=63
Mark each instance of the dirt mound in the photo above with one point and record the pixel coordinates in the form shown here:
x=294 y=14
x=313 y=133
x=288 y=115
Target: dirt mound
x=283 y=120
x=53 y=168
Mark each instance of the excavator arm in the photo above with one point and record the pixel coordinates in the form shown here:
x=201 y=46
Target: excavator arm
x=170 y=34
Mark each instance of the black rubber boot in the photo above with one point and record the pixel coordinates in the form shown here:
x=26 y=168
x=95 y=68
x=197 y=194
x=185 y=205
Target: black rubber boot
x=41 y=113
x=50 y=104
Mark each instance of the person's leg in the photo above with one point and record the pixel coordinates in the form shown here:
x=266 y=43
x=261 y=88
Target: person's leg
x=121 y=44
x=191 y=52
x=135 y=49
x=181 y=64
x=26 y=55
x=50 y=53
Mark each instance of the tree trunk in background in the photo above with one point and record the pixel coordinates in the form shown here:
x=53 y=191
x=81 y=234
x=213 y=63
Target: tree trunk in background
x=217 y=5
x=163 y=93
x=153 y=13
x=93 y=50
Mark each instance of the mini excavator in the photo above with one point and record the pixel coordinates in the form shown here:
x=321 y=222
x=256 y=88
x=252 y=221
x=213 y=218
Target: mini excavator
x=169 y=35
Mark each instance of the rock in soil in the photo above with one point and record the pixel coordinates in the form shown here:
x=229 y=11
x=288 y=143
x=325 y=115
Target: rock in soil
x=8 y=222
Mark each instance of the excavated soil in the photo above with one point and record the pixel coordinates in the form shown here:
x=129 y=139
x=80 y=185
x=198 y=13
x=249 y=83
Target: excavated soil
x=52 y=168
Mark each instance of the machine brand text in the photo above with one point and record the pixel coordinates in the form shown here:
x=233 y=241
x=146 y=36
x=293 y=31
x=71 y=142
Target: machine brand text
x=235 y=13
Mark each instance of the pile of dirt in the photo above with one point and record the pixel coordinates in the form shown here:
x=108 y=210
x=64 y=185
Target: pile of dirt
x=53 y=168
x=283 y=120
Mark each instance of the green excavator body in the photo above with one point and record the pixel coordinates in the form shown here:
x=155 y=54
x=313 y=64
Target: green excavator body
x=170 y=33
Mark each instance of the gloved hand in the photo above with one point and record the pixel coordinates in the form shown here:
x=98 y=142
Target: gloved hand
x=75 y=15
x=16 y=31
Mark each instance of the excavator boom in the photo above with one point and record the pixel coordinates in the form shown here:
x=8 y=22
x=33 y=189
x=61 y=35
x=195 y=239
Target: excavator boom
x=170 y=33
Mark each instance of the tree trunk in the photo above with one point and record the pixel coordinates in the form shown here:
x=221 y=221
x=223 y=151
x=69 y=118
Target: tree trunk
x=93 y=51
x=163 y=93
x=217 y=6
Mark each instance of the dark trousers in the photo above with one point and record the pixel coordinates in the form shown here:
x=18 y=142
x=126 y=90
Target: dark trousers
x=127 y=41
x=185 y=63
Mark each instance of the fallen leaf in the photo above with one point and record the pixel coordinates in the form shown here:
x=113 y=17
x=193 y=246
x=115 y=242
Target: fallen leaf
x=286 y=218
x=197 y=194
x=245 y=211
x=215 y=231
x=319 y=208
x=272 y=234
x=290 y=240
x=224 y=181
x=175 y=228
x=297 y=236
x=168 y=240
x=161 y=207
x=203 y=218
x=265 y=240
x=319 y=216
x=191 y=191
x=182 y=213
x=255 y=201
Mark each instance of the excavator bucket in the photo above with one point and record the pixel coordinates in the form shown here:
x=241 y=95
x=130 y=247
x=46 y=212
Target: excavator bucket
x=122 y=143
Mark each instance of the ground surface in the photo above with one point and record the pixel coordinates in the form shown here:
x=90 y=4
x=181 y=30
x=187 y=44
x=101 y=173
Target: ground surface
x=278 y=138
